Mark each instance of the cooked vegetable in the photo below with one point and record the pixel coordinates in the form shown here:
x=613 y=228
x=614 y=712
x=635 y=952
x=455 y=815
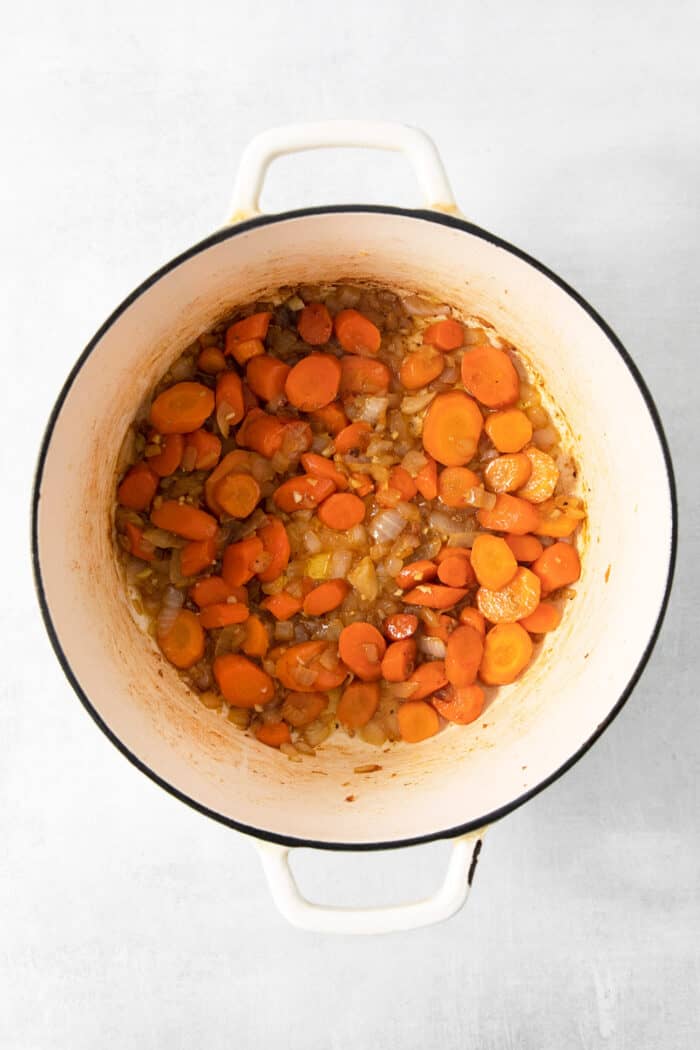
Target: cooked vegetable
x=461 y=705
x=315 y=324
x=490 y=376
x=182 y=408
x=517 y=599
x=417 y=721
x=356 y=333
x=452 y=429
x=493 y=561
x=557 y=566
x=507 y=652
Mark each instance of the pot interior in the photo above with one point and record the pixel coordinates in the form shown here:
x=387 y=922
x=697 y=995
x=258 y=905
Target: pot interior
x=529 y=730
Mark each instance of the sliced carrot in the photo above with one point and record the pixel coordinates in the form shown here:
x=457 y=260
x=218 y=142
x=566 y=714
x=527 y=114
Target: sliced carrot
x=299 y=709
x=493 y=561
x=238 y=494
x=363 y=484
x=361 y=648
x=230 y=405
x=282 y=606
x=363 y=375
x=300 y=668
x=236 y=462
x=398 y=487
x=330 y=419
x=490 y=376
x=473 y=618
x=460 y=705
x=313 y=382
x=354 y=437
x=525 y=548
x=543 y=477
x=184 y=520
x=452 y=428
x=507 y=473
x=274 y=734
x=557 y=566
x=546 y=617
x=553 y=522
x=196 y=556
x=240 y=561
x=439 y=626
x=242 y=683
x=275 y=541
x=302 y=493
x=509 y=430
x=399 y=626
x=139 y=547
x=428 y=678
x=256 y=641
x=182 y=408
x=450 y=552
x=356 y=333
x=420 y=367
x=456 y=571
x=253 y=327
x=138 y=487
x=455 y=484
x=246 y=350
x=513 y=602
x=427 y=480
x=222 y=614
x=315 y=324
x=209 y=590
x=465 y=647
x=266 y=376
x=417 y=721
x=167 y=461
x=399 y=660
x=183 y=644
x=262 y=433
x=326 y=597
x=206 y=449
x=434 y=596
x=320 y=467
x=358 y=704
x=211 y=360
x=507 y=652
x=416 y=572
x=509 y=514
x=445 y=335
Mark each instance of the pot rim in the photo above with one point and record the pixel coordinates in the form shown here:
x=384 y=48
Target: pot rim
x=264 y=220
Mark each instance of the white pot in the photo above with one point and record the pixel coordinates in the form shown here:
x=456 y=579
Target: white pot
x=466 y=777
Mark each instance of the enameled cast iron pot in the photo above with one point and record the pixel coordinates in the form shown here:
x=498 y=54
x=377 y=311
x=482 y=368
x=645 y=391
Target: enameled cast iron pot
x=458 y=782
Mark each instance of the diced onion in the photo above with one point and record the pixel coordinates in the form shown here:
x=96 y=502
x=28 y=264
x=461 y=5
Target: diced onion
x=387 y=525
x=414 y=461
x=312 y=542
x=417 y=402
x=189 y=458
x=432 y=647
x=545 y=438
x=173 y=600
x=402 y=690
x=417 y=307
x=304 y=676
x=225 y=413
x=373 y=409
x=364 y=579
x=284 y=631
x=340 y=563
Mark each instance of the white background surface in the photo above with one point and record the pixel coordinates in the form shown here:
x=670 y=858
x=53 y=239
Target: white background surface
x=128 y=920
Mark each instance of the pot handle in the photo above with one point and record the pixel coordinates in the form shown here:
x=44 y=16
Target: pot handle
x=416 y=146
x=326 y=919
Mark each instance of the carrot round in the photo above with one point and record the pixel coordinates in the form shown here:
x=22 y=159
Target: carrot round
x=274 y=734
x=358 y=704
x=304 y=667
x=553 y=522
x=416 y=572
x=399 y=486
x=557 y=566
x=508 y=472
x=320 y=467
x=434 y=596
x=507 y=652
x=456 y=571
x=326 y=597
x=342 y=511
x=465 y=647
x=167 y=461
x=490 y=376
x=361 y=648
x=493 y=561
x=238 y=494
x=206 y=449
x=138 y=487
x=445 y=335
x=330 y=419
x=513 y=602
x=237 y=462
x=399 y=660
x=261 y=432
x=211 y=360
x=302 y=493
x=242 y=683
x=354 y=437
x=247 y=349
x=222 y=614
x=240 y=560
x=256 y=641
x=266 y=376
x=399 y=626
x=417 y=721
x=299 y=709
x=209 y=590
x=139 y=547
x=315 y=324
x=450 y=552
x=428 y=678
x=452 y=428
x=230 y=404
x=543 y=479
x=275 y=542
x=183 y=644
x=473 y=618
x=196 y=556
x=525 y=548
x=509 y=430
x=184 y=520
x=313 y=382
x=461 y=705
x=363 y=375
x=420 y=367
x=509 y=514
x=282 y=606
x=427 y=480
x=455 y=483
x=356 y=333
x=182 y=408
x=253 y=327
x=546 y=617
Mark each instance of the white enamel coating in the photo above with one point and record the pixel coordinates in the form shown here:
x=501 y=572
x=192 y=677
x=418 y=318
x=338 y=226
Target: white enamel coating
x=415 y=145
x=465 y=775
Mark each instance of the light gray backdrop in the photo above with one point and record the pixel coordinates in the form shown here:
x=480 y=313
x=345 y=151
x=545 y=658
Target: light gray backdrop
x=128 y=920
